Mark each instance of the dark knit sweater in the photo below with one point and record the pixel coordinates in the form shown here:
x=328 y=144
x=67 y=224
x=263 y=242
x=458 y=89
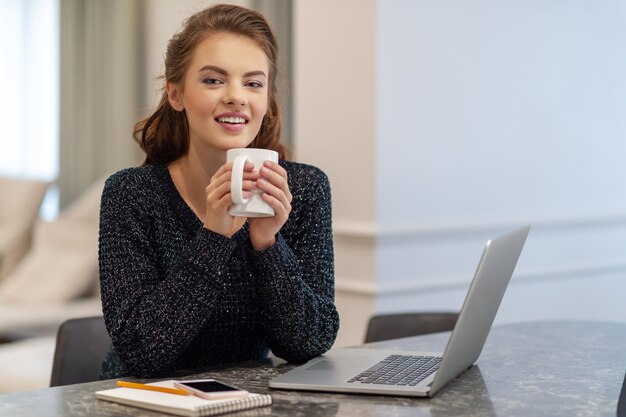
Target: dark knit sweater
x=177 y=296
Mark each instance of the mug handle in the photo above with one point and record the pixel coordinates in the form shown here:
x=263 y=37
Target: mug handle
x=236 y=180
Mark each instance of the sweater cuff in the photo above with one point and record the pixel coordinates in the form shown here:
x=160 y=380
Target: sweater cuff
x=274 y=264
x=274 y=254
x=210 y=251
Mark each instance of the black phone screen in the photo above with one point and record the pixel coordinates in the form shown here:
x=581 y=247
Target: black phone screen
x=209 y=386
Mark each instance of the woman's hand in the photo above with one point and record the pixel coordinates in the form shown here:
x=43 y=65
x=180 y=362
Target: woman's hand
x=218 y=199
x=273 y=183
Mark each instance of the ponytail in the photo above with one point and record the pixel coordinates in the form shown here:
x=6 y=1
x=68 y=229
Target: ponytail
x=164 y=135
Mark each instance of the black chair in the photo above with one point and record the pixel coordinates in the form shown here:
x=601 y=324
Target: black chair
x=81 y=346
x=393 y=326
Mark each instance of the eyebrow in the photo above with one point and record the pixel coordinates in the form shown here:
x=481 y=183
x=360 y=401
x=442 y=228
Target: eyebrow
x=224 y=72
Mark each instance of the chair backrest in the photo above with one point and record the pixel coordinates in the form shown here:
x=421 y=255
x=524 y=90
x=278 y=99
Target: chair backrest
x=81 y=346
x=393 y=326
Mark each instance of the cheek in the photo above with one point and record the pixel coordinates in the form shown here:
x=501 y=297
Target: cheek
x=260 y=110
x=262 y=106
x=201 y=103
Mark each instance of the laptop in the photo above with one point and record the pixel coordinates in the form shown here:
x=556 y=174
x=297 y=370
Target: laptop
x=419 y=374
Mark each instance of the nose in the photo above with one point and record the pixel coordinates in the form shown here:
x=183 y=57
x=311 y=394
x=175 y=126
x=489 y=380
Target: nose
x=234 y=95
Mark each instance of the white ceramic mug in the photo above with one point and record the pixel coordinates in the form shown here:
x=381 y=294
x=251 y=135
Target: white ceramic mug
x=253 y=206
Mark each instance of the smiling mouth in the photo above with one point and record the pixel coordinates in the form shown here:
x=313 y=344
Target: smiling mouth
x=232 y=120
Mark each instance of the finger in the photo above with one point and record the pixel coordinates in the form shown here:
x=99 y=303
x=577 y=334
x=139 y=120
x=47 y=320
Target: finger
x=253 y=175
x=220 y=188
x=228 y=167
x=218 y=183
x=274 y=191
x=226 y=199
x=221 y=203
x=248 y=166
x=249 y=185
x=281 y=209
x=283 y=173
x=221 y=176
x=218 y=198
x=276 y=175
x=223 y=191
x=217 y=205
x=276 y=167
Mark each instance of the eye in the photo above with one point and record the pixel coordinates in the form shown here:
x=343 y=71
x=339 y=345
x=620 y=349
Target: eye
x=254 y=84
x=211 y=81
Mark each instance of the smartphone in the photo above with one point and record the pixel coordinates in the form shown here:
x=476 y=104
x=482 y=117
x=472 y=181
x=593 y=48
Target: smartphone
x=210 y=389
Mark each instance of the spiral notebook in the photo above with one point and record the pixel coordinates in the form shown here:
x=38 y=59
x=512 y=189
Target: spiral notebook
x=182 y=405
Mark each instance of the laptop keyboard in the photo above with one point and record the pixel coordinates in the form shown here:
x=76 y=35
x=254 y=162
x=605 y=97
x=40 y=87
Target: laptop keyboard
x=399 y=370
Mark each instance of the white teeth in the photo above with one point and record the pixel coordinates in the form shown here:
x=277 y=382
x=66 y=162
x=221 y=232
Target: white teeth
x=231 y=120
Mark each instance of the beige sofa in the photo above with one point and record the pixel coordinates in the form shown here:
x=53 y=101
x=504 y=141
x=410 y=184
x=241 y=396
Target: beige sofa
x=62 y=263
x=20 y=200
x=56 y=280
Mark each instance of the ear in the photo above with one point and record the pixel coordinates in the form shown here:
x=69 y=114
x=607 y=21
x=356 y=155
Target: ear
x=174 y=96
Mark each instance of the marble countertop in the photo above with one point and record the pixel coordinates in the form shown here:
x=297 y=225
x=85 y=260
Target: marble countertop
x=526 y=369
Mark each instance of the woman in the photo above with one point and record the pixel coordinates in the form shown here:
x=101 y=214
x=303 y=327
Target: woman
x=184 y=284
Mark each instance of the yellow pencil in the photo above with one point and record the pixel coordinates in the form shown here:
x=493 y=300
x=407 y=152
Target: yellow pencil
x=138 y=385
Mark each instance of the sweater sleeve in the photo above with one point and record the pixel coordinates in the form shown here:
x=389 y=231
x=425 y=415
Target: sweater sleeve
x=295 y=281
x=152 y=318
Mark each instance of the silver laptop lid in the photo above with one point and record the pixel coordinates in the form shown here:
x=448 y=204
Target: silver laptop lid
x=480 y=306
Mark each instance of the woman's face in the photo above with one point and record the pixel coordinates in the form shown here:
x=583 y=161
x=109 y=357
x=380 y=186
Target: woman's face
x=224 y=92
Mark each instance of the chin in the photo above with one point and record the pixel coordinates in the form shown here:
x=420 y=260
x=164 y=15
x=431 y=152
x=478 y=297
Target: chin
x=239 y=143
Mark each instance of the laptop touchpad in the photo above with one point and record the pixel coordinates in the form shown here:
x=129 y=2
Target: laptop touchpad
x=323 y=365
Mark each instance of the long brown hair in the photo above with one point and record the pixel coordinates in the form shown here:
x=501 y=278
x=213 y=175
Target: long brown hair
x=164 y=136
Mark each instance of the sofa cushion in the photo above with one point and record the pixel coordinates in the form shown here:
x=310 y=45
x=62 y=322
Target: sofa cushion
x=18 y=321
x=62 y=264
x=20 y=200
x=26 y=364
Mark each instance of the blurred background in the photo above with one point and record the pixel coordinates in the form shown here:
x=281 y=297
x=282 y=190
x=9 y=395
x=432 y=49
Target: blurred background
x=439 y=124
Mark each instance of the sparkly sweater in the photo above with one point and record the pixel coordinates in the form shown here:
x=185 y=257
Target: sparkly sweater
x=177 y=296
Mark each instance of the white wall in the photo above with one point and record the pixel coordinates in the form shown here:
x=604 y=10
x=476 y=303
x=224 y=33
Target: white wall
x=506 y=113
x=487 y=115
x=515 y=109
x=334 y=85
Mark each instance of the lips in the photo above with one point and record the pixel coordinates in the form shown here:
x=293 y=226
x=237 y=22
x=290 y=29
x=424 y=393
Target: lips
x=232 y=121
x=232 y=118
